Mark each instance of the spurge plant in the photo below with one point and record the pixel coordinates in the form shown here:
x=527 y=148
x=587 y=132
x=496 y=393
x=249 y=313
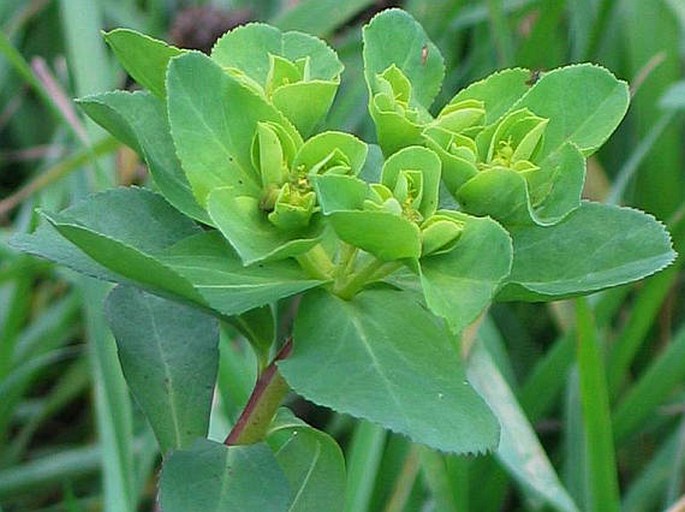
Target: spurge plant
x=352 y=269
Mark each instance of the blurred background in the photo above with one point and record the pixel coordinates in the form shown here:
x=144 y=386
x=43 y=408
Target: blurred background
x=72 y=439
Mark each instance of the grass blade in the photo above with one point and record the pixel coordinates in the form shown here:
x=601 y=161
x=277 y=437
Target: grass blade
x=663 y=375
x=647 y=488
x=319 y=17
x=363 y=460
x=644 y=312
x=519 y=450
x=89 y=66
x=436 y=476
x=603 y=482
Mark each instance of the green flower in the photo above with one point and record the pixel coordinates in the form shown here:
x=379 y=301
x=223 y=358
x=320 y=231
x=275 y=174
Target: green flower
x=399 y=121
x=515 y=142
x=384 y=218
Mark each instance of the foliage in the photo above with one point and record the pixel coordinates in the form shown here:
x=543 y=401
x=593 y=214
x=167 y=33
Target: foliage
x=359 y=274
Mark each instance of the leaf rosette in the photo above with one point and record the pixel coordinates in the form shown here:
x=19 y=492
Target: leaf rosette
x=252 y=175
x=285 y=209
x=508 y=178
x=509 y=150
x=298 y=73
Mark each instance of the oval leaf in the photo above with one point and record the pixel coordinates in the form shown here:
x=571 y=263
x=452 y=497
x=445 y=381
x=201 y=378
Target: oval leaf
x=247 y=228
x=138 y=224
x=247 y=48
x=305 y=103
x=211 y=477
x=383 y=357
x=460 y=284
x=139 y=120
x=498 y=91
x=311 y=460
x=227 y=286
x=584 y=104
x=596 y=246
x=143 y=57
x=394 y=37
x=385 y=235
x=169 y=354
x=213 y=152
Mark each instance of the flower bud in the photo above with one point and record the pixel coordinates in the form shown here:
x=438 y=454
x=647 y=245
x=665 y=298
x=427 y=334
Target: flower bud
x=293 y=208
x=409 y=189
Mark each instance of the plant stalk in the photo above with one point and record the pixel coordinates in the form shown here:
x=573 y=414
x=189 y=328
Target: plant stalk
x=264 y=401
x=317 y=263
x=373 y=271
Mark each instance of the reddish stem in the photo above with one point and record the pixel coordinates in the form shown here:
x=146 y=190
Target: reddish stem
x=264 y=401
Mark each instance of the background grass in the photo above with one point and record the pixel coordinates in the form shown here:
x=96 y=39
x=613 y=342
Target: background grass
x=599 y=383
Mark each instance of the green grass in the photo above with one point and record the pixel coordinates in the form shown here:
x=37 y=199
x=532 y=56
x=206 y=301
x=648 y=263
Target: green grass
x=597 y=390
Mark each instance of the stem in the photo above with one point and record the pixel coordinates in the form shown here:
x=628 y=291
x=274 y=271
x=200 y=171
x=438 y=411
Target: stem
x=317 y=263
x=373 y=271
x=348 y=255
x=265 y=399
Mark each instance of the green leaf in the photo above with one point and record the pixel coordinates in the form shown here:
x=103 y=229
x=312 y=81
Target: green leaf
x=519 y=451
x=140 y=121
x=143 y=241
x=297 y=72
x=211 y=477
x=543 y=197
x=596 y=246
x=556 y=188
x=460 y=284
x=137 y=223
x=47 y=242
x=339 y=193
x=248 y=48
x=213 y=152
x=385 y=235
x=122 y=242
x=305 y=104
x=321 y=147
x=499 y=92
x=500 y=193
x=218 y=275
x=109 y=111
x=394 y=130
x=311 y=460
x=143 y=57
x=383 y=357
x=249 y=231
x=584 y=104
x=169 y=355
x=594 y=397
x=394 y=37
